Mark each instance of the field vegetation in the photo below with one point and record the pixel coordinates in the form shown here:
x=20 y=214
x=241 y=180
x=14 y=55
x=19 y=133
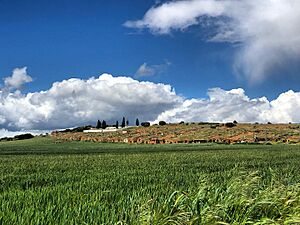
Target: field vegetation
x=47 y=182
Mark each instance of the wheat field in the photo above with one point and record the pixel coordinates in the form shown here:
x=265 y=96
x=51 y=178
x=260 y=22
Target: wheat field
x=42 y=182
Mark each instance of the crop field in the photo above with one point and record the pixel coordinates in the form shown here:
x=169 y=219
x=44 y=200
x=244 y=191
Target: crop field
x=44 y=182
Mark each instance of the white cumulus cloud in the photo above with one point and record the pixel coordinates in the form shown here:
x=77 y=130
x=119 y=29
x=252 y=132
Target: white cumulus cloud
x=17 y=79
x=76 y=102
x=224 y=106
x=268 y=31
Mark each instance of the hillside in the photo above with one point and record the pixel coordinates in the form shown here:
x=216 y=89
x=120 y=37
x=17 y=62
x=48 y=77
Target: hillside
x=193 y=133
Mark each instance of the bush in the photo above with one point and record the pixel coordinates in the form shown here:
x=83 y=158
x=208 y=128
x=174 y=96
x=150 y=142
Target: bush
x=145 y=124
x=162 y=123
x=23 y=136
x=7 y=139
x=230 y=125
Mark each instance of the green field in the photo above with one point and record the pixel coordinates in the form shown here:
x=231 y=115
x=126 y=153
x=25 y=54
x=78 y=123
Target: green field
x=42 y=182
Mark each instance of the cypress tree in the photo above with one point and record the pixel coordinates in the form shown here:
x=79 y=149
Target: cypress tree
x=99 y=125
x=137 y=122
x=104 y=124
x=117 y=124
x=123 y=122
x=127 y=123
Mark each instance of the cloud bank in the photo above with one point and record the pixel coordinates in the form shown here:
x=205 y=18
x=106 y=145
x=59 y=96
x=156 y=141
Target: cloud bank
x=76 y=102
x=268 y=31
x=224 y=106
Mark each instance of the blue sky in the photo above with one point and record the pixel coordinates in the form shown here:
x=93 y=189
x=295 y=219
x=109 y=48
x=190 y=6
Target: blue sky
x=57 y=40
x=191 y=45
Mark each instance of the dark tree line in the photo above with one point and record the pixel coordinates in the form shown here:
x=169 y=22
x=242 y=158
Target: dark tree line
x=124 y=123
x=100 y=124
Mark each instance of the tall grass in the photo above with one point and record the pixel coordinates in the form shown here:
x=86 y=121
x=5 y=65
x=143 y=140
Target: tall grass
x=241 y=199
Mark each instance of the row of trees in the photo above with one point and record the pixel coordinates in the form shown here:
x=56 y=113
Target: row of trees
x=124 y=123
x=100 y=124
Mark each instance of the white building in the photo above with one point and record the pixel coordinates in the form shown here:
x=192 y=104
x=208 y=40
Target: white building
x=94 y=130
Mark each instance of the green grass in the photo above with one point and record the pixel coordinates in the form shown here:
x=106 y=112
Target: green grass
x=42 y=182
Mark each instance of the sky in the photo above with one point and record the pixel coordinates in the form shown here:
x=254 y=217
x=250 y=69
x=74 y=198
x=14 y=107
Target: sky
x=69 y=63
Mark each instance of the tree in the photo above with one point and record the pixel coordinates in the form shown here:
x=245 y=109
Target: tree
x=99 y=125
x=137 y=122
x=127 y=123
x=104 y=124
x=117 y=124
x=123 y=122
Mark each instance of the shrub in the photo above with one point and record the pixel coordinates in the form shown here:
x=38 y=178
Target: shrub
x=162 y=123
x=145 y=124
x=230 y=125
x=23 y=136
